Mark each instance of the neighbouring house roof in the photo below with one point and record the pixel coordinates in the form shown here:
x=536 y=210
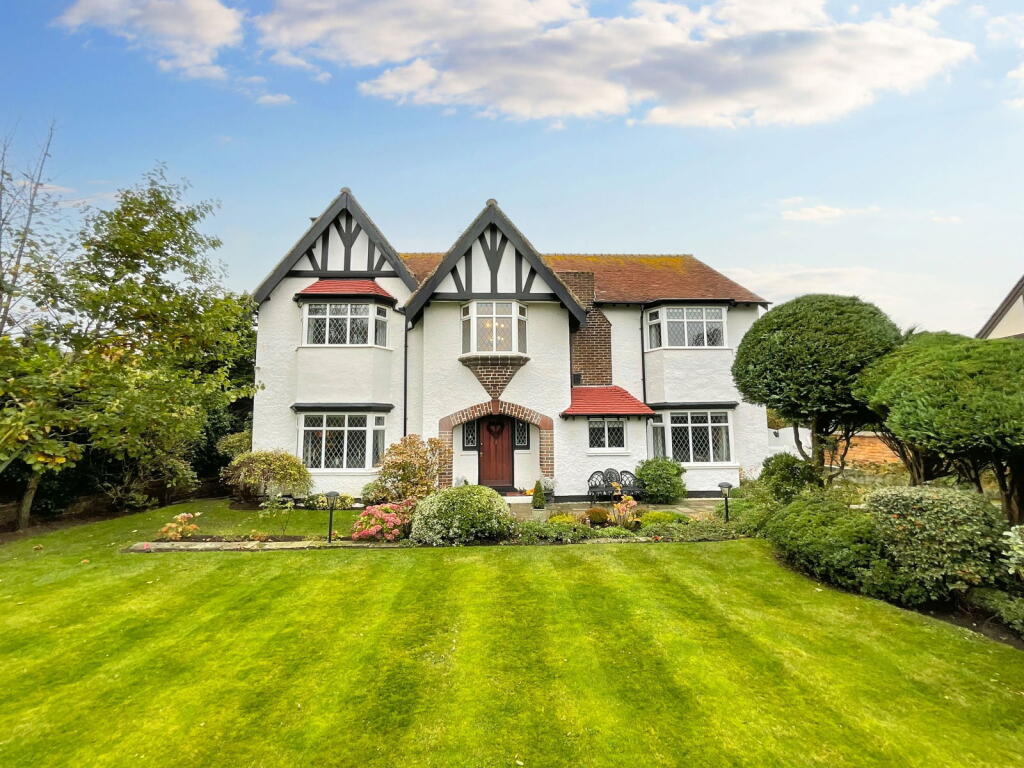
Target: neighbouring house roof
x=341 y=288
x=605 y=401
x=1016 y=294
x=628 y=278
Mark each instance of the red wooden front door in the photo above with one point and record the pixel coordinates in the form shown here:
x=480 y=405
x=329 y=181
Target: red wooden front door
x=495 y=435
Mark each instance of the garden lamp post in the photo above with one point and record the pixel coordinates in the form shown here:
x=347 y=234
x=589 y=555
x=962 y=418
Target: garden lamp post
x=725 y=487
x=332 y=502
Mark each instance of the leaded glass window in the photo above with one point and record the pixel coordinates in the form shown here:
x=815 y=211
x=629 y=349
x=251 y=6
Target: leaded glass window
x=344 y=324
x=606 y=433
x=686 y=327
x=341 y=441
x=521 y=435
x=494 y=326
x=694 y=437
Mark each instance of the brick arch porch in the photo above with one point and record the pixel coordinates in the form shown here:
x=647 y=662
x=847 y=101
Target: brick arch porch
x=545 y=425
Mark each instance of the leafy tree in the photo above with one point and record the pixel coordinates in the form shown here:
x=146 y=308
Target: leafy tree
x=538 y=500
x=922 y=465
x=411 y=468
x=802 y=359
x=962 y=399
x=132 y=345
x=260 y=474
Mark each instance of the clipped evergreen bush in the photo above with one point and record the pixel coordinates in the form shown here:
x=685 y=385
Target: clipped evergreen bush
x=462 y=515
x=784 y=476
x=662 y=480
x=539 y=501
x=939 y=541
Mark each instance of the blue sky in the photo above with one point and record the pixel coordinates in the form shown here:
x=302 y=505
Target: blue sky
x=871 y=148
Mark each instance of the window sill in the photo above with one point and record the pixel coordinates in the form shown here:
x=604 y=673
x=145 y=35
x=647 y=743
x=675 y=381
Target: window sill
x=345 y=346
x=371 y=471
x=608 y=452
x=709 y=465
x=706 y=349
x=513 y=358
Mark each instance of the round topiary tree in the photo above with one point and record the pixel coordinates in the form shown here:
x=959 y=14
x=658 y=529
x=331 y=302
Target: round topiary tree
x=802 y=359
x=462 y=515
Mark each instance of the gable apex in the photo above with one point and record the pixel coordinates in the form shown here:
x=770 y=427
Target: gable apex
x=347 y=219
x=493 y=233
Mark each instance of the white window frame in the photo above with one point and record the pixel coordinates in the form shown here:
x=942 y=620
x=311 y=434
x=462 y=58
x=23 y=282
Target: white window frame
x=606 y=448
x=663 y=422
x=658 y=318
x=375 y=436
x=377 y=317
x=475 y=311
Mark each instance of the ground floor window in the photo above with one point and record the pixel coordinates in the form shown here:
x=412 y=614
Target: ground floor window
x=693 y=437
x=342 y=441
x=606 y=433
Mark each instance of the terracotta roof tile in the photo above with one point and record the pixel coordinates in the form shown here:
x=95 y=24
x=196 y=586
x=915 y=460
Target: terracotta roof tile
x=605 y=401
x=345 y=287
x=628 y=278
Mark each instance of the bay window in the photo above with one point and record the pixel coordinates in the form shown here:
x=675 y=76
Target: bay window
x=344 y=324
x=685 y=327
x=494 y=327
x=693 y=437
x=342 y=441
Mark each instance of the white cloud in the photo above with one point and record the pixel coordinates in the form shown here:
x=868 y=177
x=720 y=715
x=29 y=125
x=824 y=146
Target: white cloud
x=274 y=99
x=920 y=299
x=187 y=34
x=940 y=219
x=725 y=63
x=1009 y=30
x=825 y=212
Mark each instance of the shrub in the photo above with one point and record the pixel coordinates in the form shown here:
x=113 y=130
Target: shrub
x=235 y=444
x=373 y=493
x=411 y=468
x=1013 y=551
x=596 y=515
x=277 y=507
x=555 y=532
x=384 y=522
x=615 y=532
x=462 y=515
x=320 y=501
x=180 y=527
x=538 y=500
x=696 y=530
x=1008 y=608
x=562 y=518
x=784 y=476
x=655 y=517
x=820 y=534
x=257 y=474
x=938 y=540
x=662 y=480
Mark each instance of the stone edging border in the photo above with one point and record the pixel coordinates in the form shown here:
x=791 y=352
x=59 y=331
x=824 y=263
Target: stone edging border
x=151 y=547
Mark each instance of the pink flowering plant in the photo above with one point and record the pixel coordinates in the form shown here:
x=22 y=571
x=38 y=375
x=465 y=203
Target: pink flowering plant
x=384 y=522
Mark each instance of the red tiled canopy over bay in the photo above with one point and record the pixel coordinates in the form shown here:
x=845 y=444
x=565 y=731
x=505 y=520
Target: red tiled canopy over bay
x=605 y=401
x=335 y=288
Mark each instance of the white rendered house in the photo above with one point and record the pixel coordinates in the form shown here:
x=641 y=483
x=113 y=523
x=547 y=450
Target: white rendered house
x=532 y=365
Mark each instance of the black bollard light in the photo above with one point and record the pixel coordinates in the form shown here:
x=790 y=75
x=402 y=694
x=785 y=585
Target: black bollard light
x=725 y=488
x=332 y=502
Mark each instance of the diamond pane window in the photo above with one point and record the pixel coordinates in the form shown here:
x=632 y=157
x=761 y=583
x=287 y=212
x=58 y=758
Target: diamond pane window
x=700 y=437
x=339 y=441
x=342 y=324
x=607 y=433
x=469 y=436
x=521 y=435
x=359 y=330
x=686 y=327
x=316 y=330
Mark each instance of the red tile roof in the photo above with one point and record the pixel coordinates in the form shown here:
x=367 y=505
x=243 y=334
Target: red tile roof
x=345 y=288
x=605 y=401
x=628 y=278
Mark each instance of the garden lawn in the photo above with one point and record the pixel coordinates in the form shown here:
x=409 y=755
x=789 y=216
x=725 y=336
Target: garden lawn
x=593 y=655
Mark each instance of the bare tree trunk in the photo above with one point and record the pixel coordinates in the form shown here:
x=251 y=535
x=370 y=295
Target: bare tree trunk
x=799 y=443
x=25 y=508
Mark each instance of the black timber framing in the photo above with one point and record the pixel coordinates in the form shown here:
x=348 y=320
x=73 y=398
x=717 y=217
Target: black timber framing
x=693 y=406
x=493 y=242
x=344 y=202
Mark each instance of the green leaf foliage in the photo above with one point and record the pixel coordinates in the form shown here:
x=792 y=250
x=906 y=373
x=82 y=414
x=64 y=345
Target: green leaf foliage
x=462 y=515
x=802 y=358
x=662 y=480
x=258 y=474
x=784 y=476
x=938 y=540
x=538 y=499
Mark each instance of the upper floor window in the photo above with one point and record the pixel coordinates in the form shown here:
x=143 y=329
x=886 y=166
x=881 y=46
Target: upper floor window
x=494 y=326
x=342 y=441
x=692 y=437
x=345 y=324
x=686 y=327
